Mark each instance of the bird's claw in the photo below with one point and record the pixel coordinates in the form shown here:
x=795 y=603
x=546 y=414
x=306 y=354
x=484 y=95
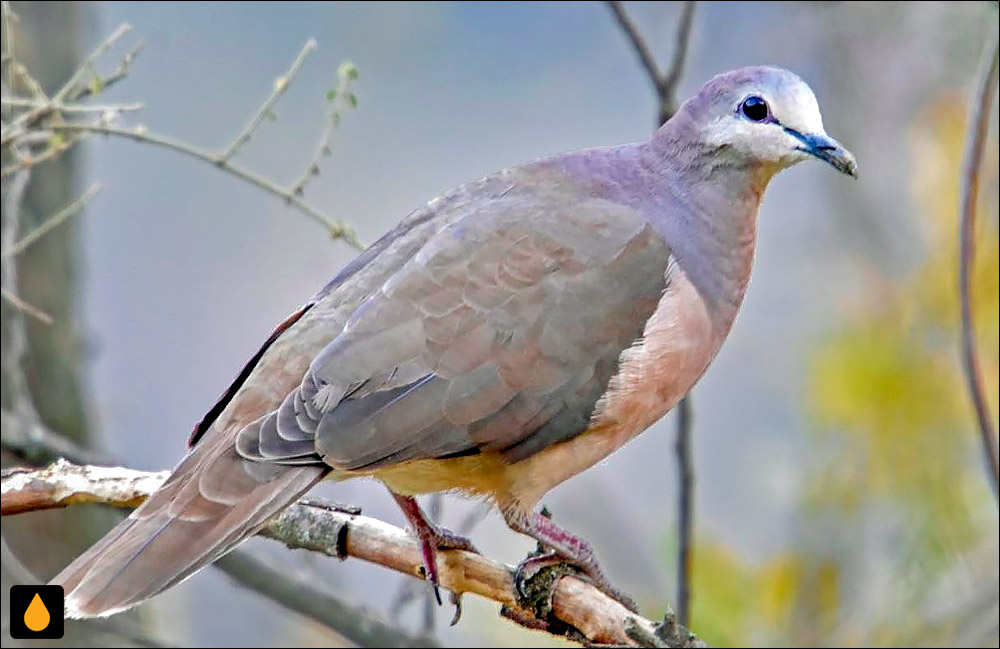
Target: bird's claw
x=433 y=540
x=536 y=577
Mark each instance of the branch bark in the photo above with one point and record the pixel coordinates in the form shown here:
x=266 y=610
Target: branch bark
x=590 y=615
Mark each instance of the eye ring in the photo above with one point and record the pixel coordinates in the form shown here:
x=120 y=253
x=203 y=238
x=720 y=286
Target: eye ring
x=755 y=109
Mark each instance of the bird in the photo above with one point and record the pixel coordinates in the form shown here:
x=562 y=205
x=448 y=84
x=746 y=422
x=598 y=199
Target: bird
x=499 y=340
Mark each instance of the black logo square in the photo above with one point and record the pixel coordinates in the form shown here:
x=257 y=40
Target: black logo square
x=36 y=612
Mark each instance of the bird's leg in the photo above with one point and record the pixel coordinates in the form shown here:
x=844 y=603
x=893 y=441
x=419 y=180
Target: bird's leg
x=566 y=548
x=432 y=538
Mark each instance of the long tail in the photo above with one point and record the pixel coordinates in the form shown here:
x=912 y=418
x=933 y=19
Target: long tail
x=213 y=500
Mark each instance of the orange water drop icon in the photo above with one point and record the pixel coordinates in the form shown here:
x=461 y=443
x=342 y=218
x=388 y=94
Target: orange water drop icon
x=36 y=617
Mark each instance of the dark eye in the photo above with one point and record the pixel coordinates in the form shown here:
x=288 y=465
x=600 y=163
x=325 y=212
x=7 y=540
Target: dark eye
x=755 y=108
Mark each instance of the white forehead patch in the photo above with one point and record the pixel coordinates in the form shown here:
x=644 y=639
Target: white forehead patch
x=795 y=106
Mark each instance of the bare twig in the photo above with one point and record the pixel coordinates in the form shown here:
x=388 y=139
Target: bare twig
x=665 y=87
x=335 y=228
x=51 y=152
x=668 y=89
x=88 y=64
x=9 y=58
x=15 y=71
x=281 y=84
x=347 y=73
x=979 y=121
x=26 y=119
x=103 y=83
x=599 y=618
x=23 y=306
x=41 y=121
x=52 y=222
x=21 y=102
x=639 y=44
x=685 y=508
x=664 y=84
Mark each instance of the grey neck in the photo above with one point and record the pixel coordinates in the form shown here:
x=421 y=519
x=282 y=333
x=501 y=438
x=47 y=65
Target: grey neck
x=706 y=211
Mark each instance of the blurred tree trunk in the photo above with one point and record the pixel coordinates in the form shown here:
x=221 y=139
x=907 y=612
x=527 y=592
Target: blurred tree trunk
x=48 y=272
x=49 y=40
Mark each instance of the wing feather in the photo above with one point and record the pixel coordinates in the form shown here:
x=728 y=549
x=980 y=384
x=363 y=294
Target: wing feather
x=500 y=334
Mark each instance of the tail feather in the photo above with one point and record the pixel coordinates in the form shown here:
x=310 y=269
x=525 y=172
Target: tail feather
x=213 y=500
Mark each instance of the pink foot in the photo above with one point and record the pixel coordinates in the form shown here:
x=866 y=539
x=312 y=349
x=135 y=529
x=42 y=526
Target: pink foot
x=566 y=548
x=432 y=538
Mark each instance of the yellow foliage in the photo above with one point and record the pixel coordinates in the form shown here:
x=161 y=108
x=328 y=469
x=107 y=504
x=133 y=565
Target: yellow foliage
x=890 y=381
x=888 y=392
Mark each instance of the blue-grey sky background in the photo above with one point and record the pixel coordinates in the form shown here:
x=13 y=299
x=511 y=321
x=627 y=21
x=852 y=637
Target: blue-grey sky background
x=187 y=269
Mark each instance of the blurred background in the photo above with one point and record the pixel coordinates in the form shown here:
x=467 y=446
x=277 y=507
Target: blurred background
x=841 y=496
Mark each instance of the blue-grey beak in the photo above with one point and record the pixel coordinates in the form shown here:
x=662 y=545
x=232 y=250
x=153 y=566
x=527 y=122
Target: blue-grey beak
x=828 y=150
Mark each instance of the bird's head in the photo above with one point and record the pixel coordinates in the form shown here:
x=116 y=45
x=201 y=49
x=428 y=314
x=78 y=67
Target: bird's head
x=764 y=117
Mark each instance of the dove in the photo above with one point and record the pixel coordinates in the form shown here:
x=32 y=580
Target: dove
x=499 y=340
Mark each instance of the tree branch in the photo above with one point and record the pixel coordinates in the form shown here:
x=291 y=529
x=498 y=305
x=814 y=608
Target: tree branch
x=639 y=44
x=52 y=222
x=88 y=63
x=664 y=84
x=25 y=307
x=979 y=122
x=336 y=229
x=685 y=508
x=281 y=84
x=43 y=122
x=342 y=96
x=668 y=89
x=595 y=616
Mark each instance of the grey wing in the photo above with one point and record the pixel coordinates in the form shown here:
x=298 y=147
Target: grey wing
x=501 y=334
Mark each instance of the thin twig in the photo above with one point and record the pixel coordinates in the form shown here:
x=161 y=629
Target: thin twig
x=336 y=229
x=23 y=306
x=639 y=44
x=21 y=102
x=46 y=106
x=88 y=63
x=10 y=60
x=668 y=87
x=54 y=149
x=346 y=74
x=685 y=508
x=18 y=71
x=599 y=618
x=664 y=84
x=103 y=83
x=281 y=84
x=52 y=222
x=979 y=122
x=69 y=133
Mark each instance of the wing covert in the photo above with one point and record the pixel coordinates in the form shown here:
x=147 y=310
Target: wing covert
x=500 y=334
